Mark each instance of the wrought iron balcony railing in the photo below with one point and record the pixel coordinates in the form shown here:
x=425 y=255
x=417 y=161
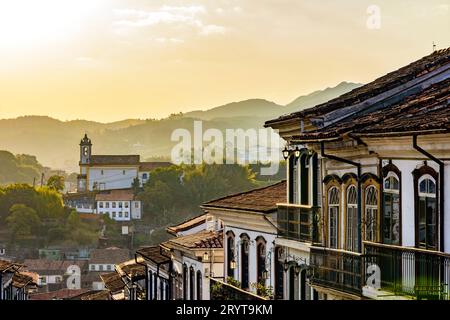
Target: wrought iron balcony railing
x=419 y=273
x=221 y=290
x=298 y=222
x=337 y=269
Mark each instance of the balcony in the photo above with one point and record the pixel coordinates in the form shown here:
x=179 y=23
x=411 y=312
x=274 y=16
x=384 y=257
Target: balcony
x=221 y=290
x=298 y=222
x=337 y=269
x=405 y=271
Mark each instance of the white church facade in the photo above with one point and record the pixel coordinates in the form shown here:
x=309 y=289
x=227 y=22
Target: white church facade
x=106 y=183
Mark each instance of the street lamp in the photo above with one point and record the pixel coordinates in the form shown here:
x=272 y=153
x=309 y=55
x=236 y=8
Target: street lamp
x=286 y=153
x=233 y=264
x=297 y=152
x=205 y=257
x=265 y=275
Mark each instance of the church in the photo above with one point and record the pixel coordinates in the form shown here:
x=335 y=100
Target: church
x=105 y=183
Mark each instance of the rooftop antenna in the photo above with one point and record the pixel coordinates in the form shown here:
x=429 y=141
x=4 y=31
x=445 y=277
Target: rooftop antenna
x=434 y=47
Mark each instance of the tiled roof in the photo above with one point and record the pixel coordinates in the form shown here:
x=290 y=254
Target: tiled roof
x=425 y=111
x=115 y=195
x=109 y=256
x=20 y=280
x=50 y=267
x=115 y=160
x=113 y=282
x=7 y=265
x=99 y=295
x=153 y=254
x=203 y=239
x=389 y=81
x=191 y=223
x=93 y=295
x=58 y=295
x=131 y=269
x=148 y=166
x=263 y=200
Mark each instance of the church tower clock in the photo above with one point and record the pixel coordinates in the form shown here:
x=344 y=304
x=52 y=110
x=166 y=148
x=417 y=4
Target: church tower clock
x=85 y=150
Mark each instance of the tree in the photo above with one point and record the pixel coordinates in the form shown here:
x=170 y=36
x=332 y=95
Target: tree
x=136 y=186
x=23 y=221
x=56 y=182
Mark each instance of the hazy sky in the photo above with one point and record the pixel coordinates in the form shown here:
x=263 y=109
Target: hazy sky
x=109 y=59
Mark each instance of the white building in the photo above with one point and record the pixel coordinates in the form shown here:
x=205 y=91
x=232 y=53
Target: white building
x=119 y=205
x=108 y=172
x=375 y=163
x=254 y=252
x=107 y=183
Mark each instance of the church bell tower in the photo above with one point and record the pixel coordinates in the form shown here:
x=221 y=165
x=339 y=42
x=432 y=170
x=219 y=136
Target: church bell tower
x=85 y=150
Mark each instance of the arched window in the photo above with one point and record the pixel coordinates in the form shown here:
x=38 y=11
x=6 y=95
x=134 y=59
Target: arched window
x=427 y=213
x=230 y=254
x=391 y=209
x=191 y=283
x=351 y=235
x=333 y=216
x=245 y=248
x=199 y=285
x=185 y=282
x=371 y=213
x=261 y=259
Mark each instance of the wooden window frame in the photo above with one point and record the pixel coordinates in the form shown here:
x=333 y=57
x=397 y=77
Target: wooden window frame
x=365 y=186
x=333 y=183
x=418 y=174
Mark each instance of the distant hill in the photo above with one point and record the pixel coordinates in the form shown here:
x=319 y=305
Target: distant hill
x=55 y=142
x=247 y=108
x=321 y=96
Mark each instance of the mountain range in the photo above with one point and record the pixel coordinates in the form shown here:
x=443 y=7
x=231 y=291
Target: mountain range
x=55 y=142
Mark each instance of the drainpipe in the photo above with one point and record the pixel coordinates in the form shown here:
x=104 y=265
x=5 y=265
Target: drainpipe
x=441 y=184
x=358 y=166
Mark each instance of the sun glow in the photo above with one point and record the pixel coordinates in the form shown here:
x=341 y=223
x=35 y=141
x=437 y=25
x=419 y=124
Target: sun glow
x=30 y=23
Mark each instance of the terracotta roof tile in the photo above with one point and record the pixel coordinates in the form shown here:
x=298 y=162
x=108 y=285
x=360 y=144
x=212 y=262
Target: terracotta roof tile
x=427 y=110
x=111 y=255
x=191 y=223
x=203 y=239
x=115 y=160
x=20 y=280
x=131 y=269
x=58 y=295
x=113 y=282
x=115 y=195
x=389 y=81
x=263 y=200
x=153 y=254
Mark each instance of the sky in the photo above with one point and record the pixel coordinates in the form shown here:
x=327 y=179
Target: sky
x=107 y=60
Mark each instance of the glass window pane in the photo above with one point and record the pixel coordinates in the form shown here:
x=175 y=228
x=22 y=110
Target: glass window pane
x=431 y=187
x=423 y=186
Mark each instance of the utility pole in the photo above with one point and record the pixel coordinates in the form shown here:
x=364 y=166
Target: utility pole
x=34 y=182
x=42 y=179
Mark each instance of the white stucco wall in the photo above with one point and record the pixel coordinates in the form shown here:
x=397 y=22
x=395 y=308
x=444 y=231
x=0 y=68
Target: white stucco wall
x=407 y=193
x=270 y=258
x=112 y=178
x=126 y=212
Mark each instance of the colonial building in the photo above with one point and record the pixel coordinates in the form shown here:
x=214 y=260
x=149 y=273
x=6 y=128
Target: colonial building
x=14 y=284
x=258 y=251
x=107 y=184
x=108 y=172
x=181 y=268
x=103 y=261
x=374 y=164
